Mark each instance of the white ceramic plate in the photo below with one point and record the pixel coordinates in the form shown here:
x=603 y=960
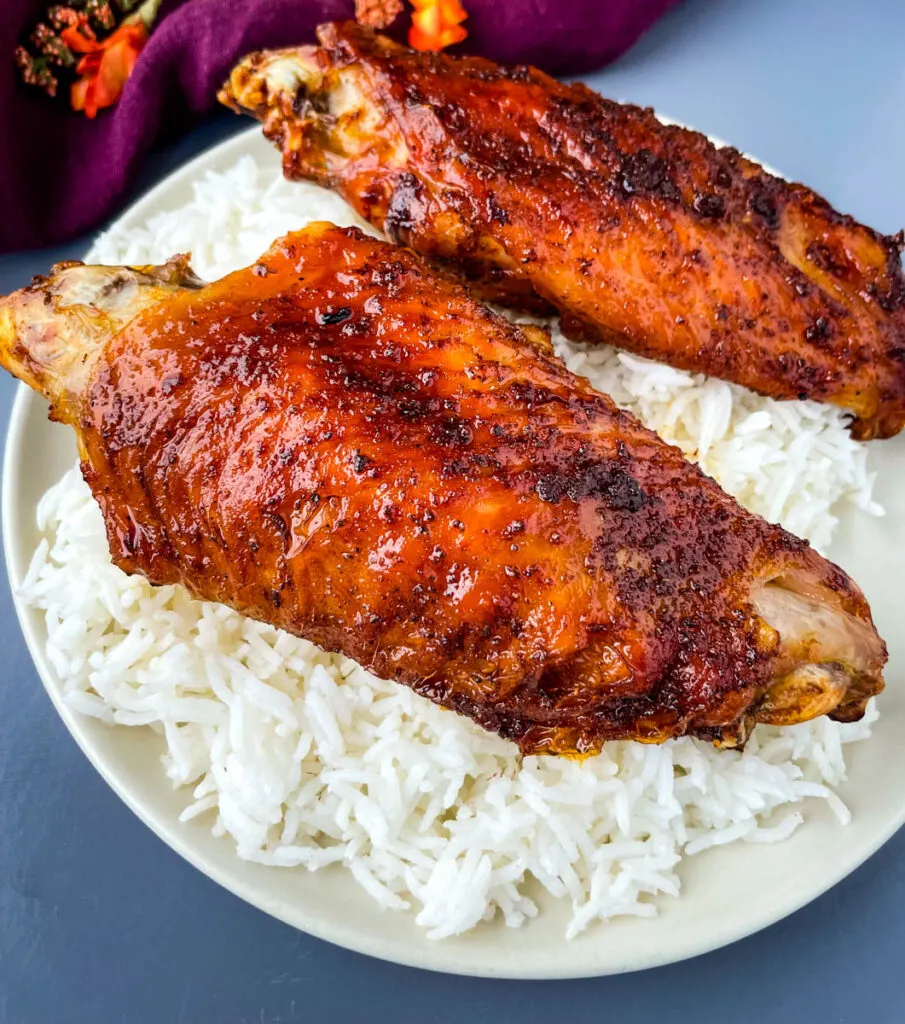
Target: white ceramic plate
x=727 y=893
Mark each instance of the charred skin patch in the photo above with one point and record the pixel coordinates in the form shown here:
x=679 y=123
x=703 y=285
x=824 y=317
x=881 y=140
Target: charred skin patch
x=646 y=173
x=407 y=207
x=609 y=484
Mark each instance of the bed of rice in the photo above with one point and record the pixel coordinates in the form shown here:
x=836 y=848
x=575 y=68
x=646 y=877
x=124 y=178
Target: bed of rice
x=306 y=760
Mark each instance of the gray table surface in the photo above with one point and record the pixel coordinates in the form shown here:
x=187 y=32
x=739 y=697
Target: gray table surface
x=100 y=922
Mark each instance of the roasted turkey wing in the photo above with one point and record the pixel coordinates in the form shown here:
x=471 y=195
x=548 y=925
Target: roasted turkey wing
x=340 y=442
x=550 y=198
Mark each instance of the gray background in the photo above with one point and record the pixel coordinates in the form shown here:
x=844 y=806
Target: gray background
x=99 y=921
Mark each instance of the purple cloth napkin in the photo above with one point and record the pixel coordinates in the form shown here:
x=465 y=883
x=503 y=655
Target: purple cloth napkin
x=61 y=173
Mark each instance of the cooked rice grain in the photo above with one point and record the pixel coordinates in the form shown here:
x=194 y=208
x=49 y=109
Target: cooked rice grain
x=305 y=759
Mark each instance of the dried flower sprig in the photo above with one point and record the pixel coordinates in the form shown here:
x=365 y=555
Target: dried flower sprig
x=89 y=45
x=377 y=13
x=436 y=24
x=92 y=45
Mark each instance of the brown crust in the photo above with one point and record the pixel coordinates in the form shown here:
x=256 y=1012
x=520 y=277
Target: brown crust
x=546 y=195
x=341 y=443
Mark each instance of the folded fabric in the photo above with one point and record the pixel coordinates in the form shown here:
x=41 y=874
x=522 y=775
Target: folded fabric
x=61 y=173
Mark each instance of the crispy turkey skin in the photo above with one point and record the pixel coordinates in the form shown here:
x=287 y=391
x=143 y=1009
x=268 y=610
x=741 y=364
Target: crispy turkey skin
x=340 y=442
x=550 y=198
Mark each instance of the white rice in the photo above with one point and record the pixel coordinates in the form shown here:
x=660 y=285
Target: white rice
x=305 y=759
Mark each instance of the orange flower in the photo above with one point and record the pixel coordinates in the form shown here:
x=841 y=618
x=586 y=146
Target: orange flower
x=436 y=24
x=105 y=65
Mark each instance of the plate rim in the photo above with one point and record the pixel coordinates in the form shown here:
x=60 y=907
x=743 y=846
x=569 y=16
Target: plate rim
x=430 y=955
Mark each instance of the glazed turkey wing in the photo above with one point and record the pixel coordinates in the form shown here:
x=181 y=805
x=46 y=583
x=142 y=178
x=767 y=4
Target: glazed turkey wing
x=337 y=441
x=551 y=198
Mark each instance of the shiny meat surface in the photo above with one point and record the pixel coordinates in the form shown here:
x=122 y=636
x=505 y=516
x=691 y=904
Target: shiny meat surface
x=551 y=198
x=340 y=442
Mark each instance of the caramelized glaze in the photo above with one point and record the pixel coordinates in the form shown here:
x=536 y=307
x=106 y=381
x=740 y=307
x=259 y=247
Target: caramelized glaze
x=550 y=198
x=339 y=442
